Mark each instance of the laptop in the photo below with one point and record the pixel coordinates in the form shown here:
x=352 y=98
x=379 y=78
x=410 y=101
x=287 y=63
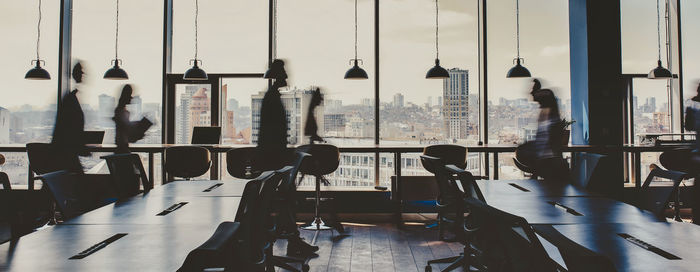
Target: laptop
x=94 y=137
x=206 y=135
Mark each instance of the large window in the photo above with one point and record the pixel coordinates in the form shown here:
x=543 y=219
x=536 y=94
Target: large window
x=420 y=111
x=544 y=44
x=27 y=107
x=232 y=35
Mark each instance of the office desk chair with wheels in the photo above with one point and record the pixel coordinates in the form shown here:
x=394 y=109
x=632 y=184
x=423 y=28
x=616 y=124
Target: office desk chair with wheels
x=324 y=160
x=656 y=200
x=187 y=161
x=244 y=162
x=450 y=204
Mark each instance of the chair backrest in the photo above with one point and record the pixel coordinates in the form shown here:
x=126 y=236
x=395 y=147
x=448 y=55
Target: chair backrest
x=244 y=162
x=324 y=159
x=449 y=154
x=5 y=181
x=187 y=161
x=216 y=252
x=593 y=172
x=253 y=214
x=656 y=199
x=40 y=159
x=469 y=186
x=127 y=174
x=448 y=191
x=288 y=184
x=576 y=257
x=508 y=242
x=65 y=187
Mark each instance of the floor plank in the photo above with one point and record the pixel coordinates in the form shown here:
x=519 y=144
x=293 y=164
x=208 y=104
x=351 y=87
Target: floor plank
x=341 y=252
x=401 y=251
x=382 y=259
x=361 y=249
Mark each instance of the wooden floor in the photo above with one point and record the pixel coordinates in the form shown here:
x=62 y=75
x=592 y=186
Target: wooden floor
x=377 y=247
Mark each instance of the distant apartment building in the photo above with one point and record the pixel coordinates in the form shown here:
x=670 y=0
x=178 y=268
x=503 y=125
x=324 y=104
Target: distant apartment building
x=455 y=105
x=398 y=100
x=5 y=117
x=334 y=123
x=296 y=104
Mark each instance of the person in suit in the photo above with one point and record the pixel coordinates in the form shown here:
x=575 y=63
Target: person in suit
x=311 y=127
x=272 y=138
x=68 y=139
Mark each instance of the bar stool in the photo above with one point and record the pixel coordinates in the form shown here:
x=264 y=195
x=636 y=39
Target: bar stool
x=324 y=160
x=187 y=161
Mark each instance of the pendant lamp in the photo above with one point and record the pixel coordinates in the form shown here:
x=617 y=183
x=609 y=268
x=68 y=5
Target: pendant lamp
x=518 y=70
x=659 y=72
x=196 y=73
x=437 y=72
x=356 y=73
x=38 y=73
x=116 y=72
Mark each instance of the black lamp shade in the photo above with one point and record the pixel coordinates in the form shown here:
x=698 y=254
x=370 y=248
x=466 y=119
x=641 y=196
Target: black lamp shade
x=437 y=72
x=356 y=73
x=269 y=74
x=195 y=73
x=659 y=72
x=37 y=73
x=518 y=71
x=116 y=72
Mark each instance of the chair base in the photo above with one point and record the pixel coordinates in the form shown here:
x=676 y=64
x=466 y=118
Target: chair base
x=455 y=262
x=317 y=224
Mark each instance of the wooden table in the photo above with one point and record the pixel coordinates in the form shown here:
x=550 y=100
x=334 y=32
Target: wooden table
x=582 y=210
x=679 y=239
x=528 y=187
x=144 y=248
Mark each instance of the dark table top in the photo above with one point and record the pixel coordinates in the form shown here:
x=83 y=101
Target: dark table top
x=539 y=210
x=197 y=188
x=144 y=210
x=514 y=188
x=679 y=239
x=144 y=248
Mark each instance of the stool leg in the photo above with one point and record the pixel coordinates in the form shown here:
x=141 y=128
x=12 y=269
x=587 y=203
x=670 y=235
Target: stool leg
x=318 y=223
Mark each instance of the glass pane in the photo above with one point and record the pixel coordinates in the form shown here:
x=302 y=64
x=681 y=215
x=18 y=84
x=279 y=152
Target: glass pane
x=192 y=108
x=691 y=58
x=421 y=111
x=651 y=112
x=544 y=44
x=140 y=48
x=233 y=35
x=27 y=107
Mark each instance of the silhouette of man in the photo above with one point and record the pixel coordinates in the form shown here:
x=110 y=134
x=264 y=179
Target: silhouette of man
x=68 y=135
x=272 y=138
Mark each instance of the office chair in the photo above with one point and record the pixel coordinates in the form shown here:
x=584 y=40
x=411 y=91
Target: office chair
x=244 y=162
x=127 y=175
x=507 y=242
x=187 y=161
x=69 y=192
x=449 y=154
x=450 y=206
x=656 y=200
x=41 y=160
x=524 y=159
x=285 y=204
x=253 y=239
x=324 y=160
x=576 y=257
x=216 y=252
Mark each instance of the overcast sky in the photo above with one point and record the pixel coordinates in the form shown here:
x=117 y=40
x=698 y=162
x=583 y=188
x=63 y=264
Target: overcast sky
x=315 y=37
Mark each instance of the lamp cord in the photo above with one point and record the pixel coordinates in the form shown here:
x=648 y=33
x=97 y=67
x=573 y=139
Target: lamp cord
x=517 y=26
x=38 y=33
x=274 y=30
x=356 y=30
x=658 y=26
x=196 y=29
x=437 y=29
x=116 y=39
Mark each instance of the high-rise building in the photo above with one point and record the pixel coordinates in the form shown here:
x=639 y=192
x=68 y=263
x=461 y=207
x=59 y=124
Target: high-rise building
x=367 y=102
x=183 y=113
x=398 y=100
x=228 y=128
x=4 y=126
x=439 y=101
x=106 y=105
x=296 y=104
x=455 y=108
